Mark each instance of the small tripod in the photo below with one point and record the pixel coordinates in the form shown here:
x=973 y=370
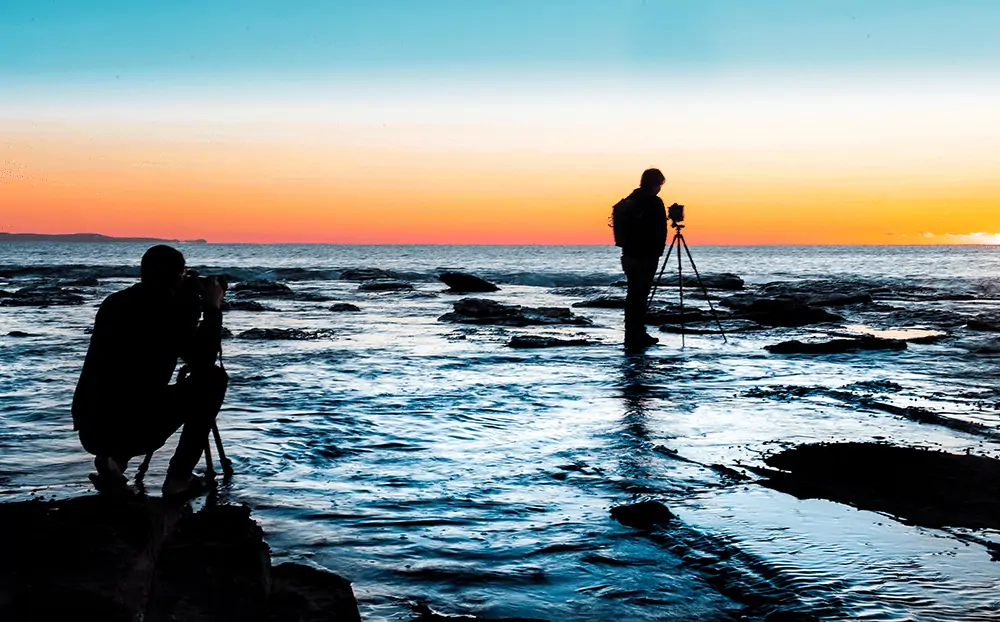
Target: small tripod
x=679 y=241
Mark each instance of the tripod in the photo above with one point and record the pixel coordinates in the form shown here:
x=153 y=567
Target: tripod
x=679 y=241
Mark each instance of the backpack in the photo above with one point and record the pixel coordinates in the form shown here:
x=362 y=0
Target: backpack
x=626 y=222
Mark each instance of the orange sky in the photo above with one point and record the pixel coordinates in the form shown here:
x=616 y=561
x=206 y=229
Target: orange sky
x=806 y=173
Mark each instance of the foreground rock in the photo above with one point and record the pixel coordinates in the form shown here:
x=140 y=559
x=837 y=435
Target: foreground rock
x=261 y=288
x=102 y=559
x=244 y=305
x=836 y=346
x=462 y=283
x=535 y=341
x=920 y=486
x=602 y=302
x=344 y=307
x=482 y=311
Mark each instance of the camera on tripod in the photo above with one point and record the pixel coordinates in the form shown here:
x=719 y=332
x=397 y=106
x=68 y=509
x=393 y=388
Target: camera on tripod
x=675 y=213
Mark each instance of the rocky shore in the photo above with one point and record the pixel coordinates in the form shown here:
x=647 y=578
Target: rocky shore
x=114 y=559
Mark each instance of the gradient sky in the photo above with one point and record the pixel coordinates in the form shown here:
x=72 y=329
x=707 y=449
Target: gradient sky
x=504 y=122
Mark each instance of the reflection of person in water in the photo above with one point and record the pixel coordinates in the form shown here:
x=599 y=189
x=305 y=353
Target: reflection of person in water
x=124 y=405
x=640 y=224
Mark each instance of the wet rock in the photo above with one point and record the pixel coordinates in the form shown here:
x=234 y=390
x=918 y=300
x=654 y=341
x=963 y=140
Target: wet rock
x=85 y=281
x=18 y=333
x=728 y=326
x=482 y=311
x=920 y=486
x=535 y=341
x=984 y=323
x=277 y=334
x=244 y=305
x=841 y=300
x=368 y=274
x=643 y=515
x=385 y=285
x=836 y=346
x=784 y=312
x=261 y=288
x=41 y=296
x=103 y=558
x=344 y=307
x=225 y=333
x=724 y=281
x=462 y=283
x=674 y=315
x=602 y=302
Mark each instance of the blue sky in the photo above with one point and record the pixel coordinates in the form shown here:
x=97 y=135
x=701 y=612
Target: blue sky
x=105 y=40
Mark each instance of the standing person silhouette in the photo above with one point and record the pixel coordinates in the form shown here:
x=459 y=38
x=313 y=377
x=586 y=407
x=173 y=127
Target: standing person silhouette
x=640 y=227
x=124 y=405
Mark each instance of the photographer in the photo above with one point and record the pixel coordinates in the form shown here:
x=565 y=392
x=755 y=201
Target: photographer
x=124 y=405
x=640 y=227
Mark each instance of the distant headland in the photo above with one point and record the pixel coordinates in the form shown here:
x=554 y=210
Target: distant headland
x=87 y=238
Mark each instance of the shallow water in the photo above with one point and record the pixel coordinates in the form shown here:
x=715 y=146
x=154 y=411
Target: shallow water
x=427 y=462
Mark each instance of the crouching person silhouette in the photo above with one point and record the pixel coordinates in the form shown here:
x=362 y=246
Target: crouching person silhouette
x=124 y=405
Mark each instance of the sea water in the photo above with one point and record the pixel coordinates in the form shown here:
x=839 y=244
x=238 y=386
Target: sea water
x=429 y=463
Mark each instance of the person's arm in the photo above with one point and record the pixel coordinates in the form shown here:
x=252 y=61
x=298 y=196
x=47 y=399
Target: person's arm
x=659 y=226
x=205 y=341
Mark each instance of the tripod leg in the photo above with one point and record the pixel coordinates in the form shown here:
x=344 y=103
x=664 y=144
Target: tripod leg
x=680 y=282
x=141 y=471
x=656 y=284
x=209 y=467
x=227 y=464
x=704 y=290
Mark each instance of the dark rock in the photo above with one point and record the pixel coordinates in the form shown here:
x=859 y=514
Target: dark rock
x=923 y=487
x=342 y=307
x=18 y=333
x=725 y=280
x=534 y=341
x=462 y=283
x=294 y=334
x=226 y=333
x=711 y=328
x=385 y=285
x=261 y=288
x=602 y=302
x=643 y=515
x=778 y=311
x=984 y=323
x=244 y=305
x=689 y=315
x=842 y=300
x=368 y=274
x=85 y=281
x=126 y=559
x=482 y=311
x=836 y=346
x=41 y=296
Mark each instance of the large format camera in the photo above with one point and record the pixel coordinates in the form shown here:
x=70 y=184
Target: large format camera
x=675 y=213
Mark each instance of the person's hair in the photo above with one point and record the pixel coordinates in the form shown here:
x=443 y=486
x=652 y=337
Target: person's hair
x=651 y=178
x=160 y=265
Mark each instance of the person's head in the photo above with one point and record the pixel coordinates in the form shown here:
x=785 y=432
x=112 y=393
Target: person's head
x=162 y=268
x=652 y=180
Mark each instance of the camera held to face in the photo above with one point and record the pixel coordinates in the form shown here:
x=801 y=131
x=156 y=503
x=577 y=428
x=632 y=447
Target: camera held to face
x=195 y=284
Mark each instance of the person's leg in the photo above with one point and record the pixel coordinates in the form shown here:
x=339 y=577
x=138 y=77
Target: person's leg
x=197 y=399
x=640 y=273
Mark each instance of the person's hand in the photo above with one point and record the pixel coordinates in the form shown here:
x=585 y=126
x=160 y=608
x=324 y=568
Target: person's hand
x=211 y=293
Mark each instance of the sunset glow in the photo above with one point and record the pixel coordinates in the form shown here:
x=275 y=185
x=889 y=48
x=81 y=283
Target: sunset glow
x=823 y=151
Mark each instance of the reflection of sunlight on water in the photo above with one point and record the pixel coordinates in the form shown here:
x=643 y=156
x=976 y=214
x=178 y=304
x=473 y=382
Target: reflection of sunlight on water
x=893 y=333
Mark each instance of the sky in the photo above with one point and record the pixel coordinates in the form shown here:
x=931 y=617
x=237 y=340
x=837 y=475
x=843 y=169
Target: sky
x=383 y=121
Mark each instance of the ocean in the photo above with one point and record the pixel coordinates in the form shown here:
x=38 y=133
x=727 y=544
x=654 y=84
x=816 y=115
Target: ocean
x=427 y=462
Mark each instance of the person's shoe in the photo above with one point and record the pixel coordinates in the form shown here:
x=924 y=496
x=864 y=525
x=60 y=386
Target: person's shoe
x=181 y=487
x=109 y=478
